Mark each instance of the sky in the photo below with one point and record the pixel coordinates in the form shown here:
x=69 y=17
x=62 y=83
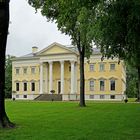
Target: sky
x=28 y=29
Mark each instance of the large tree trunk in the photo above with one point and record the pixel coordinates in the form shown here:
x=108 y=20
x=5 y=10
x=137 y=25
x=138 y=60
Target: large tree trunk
x=138 y=83
x=4 y=24
x=82 y=78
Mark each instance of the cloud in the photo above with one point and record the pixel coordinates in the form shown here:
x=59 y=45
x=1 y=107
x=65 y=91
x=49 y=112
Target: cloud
x=28 y=29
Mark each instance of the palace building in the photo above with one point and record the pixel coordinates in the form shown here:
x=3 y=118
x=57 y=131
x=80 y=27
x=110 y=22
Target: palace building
x=53 y=74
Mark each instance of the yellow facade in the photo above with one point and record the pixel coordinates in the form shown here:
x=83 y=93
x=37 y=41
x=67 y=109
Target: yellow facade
x=57 y=68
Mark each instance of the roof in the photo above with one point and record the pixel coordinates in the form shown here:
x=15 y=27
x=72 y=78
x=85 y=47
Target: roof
x=70 y=48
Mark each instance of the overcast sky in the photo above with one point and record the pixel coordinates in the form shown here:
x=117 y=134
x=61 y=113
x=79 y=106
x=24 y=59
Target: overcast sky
x=28 y=29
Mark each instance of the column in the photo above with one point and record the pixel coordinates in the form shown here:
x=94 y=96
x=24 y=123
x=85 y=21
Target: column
x=41 y=78
x=46 y=83
x=50 y=76
x=72 y=77
x=62 y=77
x=75 y=71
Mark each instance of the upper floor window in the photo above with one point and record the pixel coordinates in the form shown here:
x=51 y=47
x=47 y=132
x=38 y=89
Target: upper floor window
x=112 y=84
x=91 y=67
x=91 y=85
x=25 y=86
x=24 y=70
x=112 y=66
x=102 y=85
x=102 y=67
x=33 y=86
x=17 y=70
x=17 y=86
x=33 y=70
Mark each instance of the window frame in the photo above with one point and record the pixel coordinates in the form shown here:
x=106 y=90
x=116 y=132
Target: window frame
x=33 y=70
x=17 y=71
x=101 y=67
x=91 y=86
x=91 y=67
x=103 y=85
x=24 y=70
x=25 y=88
x=114 y=86
x=112 y=67
x=32 y=86
x=17 y=87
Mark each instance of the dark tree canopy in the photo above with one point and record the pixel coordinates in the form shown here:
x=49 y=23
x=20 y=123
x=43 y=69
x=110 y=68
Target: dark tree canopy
x=117 y=31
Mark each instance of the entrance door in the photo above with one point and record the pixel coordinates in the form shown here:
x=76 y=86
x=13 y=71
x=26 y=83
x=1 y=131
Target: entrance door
x=59 y=87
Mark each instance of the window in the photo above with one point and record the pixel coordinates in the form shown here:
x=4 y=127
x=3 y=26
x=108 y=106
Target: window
x=69 y=68
x=112 y=96
x=102 y=85
x=25 y=70
x=112 y=66
x=91 y=67
x=33 y=70
x=102 y=67
x=91 y=84
x=25 y=86
x=33 y=86
x=112 y=84
x=17 y=96
x=102 y=96
x=24 y=96
x=91 y=96
x=17 y=70
x=17 y=86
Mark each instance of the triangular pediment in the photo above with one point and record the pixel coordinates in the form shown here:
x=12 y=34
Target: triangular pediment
x=55 y=48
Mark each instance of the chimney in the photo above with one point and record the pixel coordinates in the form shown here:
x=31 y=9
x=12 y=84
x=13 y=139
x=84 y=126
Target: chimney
x=34 y=49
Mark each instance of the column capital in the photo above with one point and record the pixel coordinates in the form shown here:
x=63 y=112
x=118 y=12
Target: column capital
x=72 y=61
x=41 y=63
x=50 y=62
x=62 y=62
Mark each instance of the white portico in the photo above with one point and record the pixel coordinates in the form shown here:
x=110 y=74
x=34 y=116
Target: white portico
x=58 y=70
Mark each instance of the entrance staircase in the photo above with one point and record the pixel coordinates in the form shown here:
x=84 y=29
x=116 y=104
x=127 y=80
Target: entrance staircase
x=49 y=97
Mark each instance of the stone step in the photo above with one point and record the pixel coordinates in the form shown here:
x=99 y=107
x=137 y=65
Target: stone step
x=49 y=97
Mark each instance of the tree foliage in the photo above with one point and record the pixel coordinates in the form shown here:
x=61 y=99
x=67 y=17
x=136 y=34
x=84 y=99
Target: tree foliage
x=8 y=76
x=117 y=31
x=131 y=81
x=74 y=18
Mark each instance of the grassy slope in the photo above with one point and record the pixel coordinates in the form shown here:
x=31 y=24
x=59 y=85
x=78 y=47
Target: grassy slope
x=67 y=121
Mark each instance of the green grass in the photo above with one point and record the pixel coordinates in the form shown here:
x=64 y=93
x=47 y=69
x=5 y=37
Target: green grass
x=67 y=121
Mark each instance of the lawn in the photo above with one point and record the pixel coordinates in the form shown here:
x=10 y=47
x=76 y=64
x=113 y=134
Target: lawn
x=67 y=121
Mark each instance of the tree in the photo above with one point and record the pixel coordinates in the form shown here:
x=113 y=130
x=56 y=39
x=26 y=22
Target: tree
x=131 y=81
x=8 y=76
x=4 y=24
x=117 y=31
x=73 y=19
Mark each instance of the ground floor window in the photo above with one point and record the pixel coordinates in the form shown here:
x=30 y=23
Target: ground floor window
x=102 y=96
x=24 y=96
x=112 y=96
x=17 y=96
x=33 y=86
x=102 y=85
x=17 y=86
x=91 y=85
x=91 y=96
x=112 y=84
x=25 y=86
